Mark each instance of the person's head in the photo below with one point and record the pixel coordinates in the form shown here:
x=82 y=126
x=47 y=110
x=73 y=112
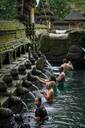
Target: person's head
x=65 y=60
x=61 y=69
x=48 y=86
x=38 y=101
x=53 y=78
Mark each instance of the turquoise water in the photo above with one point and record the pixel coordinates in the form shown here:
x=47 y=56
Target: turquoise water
x=68 y=109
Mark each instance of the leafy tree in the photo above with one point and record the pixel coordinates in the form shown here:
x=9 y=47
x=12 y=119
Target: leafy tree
x=59 y=7
x=7 y=9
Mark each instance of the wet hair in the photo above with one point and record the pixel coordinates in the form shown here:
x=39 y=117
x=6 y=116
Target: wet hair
x=65 y=61
x=53 y=78
x=39 y=99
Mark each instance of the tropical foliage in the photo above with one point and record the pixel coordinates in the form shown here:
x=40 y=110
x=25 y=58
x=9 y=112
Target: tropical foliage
x=62 y=7
x=7 y=9
x=59 y=7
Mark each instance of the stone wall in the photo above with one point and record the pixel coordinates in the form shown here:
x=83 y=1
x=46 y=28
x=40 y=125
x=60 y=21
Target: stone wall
x=10 y=30
x=57 y=48
x=77 y=37
x=12 y=39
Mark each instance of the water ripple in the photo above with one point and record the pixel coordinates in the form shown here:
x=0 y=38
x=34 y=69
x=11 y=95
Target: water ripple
x=68 y=110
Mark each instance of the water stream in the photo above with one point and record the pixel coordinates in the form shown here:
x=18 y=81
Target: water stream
x=35 y=87
x=25 y=106
x=33 y=96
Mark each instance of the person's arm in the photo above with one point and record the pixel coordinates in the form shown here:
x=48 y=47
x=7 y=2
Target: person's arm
x=44 y=81
x=36 y=118
x=60 y=77
x=48 y=95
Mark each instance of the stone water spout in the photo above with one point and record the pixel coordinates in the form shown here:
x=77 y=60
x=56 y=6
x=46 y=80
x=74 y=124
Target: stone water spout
x=15 y=74
x=28 y=64
x=22 y=70
x=15 y=104
x=6 y=117
x=31 y=77
x=8 y=80
x=32 y=59
x=42 y=62
x=29 y=85
x=21 y=90
x=37 y=72
x=3 y=88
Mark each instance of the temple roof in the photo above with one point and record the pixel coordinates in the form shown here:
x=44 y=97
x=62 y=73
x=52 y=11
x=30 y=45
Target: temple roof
x=72 y=16
x=48 y=12
x=47 y=17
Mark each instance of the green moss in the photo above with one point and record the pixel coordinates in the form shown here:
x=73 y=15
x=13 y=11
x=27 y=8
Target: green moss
x=41 y=26
x=77 y=37
x=57 y=47
x=11 y=30
x=54 y=46
x=11 y=25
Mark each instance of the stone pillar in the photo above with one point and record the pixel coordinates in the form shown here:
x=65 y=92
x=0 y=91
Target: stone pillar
x=1 y=64
x=11 y=56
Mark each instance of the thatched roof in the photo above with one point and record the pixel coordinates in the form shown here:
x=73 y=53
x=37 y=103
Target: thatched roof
x=74 y=16
x=59 y=22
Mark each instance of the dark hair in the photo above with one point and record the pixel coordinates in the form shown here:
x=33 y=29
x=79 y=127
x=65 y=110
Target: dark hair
x=39 y=99
x=53 y=78
x=65 y=60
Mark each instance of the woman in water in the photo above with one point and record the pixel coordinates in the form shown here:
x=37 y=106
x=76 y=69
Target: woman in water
x=61 y=79
x=49 y=93
x=52 y=81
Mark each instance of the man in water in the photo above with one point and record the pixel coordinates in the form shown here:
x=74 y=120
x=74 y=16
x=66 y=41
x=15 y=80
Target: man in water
x=49 y=93
x=67 y=65
x=40 y=112
x=61 y=79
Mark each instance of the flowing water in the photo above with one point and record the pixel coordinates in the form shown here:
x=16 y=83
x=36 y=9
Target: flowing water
x=68 y=109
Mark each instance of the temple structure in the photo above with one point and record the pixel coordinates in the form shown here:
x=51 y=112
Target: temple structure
x=45 y=16
x=25 y=14
x=75 y=20
x=72 y=21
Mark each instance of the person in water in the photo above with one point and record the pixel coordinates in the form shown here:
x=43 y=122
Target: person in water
x=67 y=65
x=54 y=85
x=61 y=79
x=49 y=93
x=40 y=112
x=52 y=81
